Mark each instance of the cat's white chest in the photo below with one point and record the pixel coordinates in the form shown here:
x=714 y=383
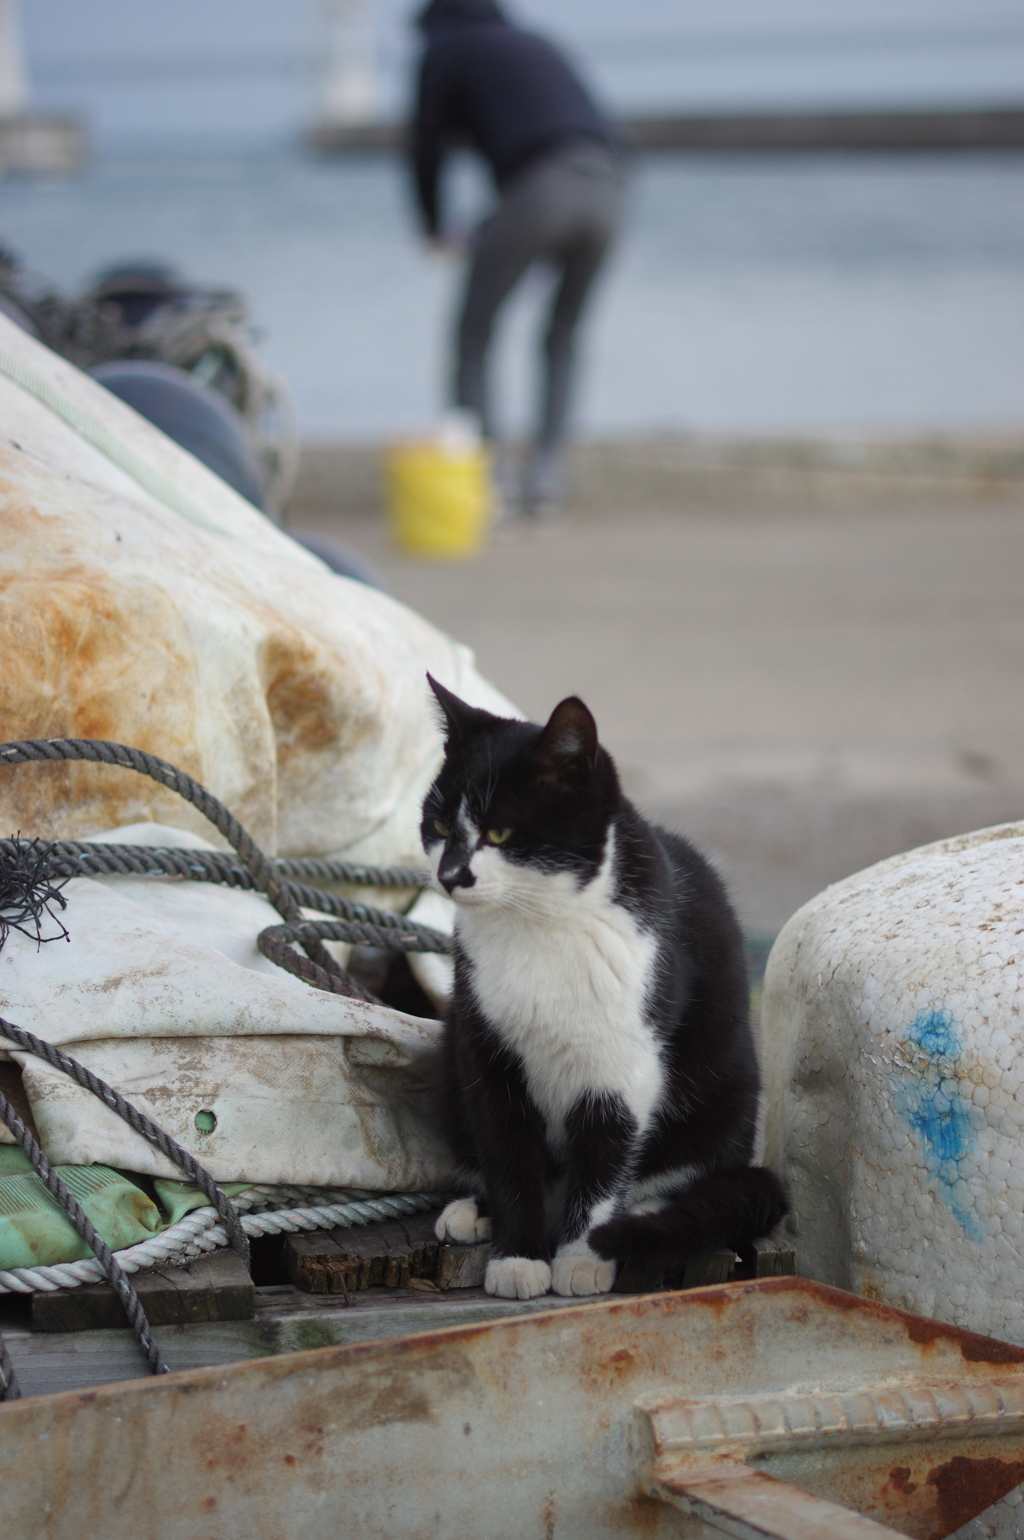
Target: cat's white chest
x=563 y=975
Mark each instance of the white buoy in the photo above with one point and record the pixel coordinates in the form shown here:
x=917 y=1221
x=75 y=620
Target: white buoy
x=893 y=1029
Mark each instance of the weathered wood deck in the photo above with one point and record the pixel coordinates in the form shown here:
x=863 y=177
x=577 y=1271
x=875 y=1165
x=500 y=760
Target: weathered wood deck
x=319 y=1289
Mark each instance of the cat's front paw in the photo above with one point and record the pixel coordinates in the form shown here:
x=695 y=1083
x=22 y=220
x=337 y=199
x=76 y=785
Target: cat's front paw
x=517 y=1277
x=461 y=1222
x=581 y=1275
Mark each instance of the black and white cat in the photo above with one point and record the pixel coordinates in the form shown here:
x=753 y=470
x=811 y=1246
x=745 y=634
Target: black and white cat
x=599 y=1082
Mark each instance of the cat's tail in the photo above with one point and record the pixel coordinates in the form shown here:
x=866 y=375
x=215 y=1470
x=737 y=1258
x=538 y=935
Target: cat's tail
x=726 y=1210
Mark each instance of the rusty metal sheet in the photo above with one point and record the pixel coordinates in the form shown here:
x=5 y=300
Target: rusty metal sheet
x=532 y=1426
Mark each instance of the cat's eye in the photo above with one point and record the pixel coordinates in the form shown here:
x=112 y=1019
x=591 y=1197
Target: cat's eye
x=498 y=836
x=441 y=828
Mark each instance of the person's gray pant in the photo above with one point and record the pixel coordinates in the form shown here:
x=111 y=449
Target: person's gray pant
x=564 y=210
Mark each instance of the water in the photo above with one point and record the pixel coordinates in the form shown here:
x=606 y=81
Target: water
x=251 y=69
x=750 y=294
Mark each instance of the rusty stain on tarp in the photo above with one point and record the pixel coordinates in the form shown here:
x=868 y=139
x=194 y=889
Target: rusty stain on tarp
x=295 y=696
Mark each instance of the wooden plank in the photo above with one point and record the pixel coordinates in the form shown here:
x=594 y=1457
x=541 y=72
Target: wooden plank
x=772 y=1258
x=356 y=1257
x=286 y=1321
x=398 y=1254
x=716 y=1267
x=210 y=1288
x=404 y=1252
x=462 y=1267
x=650 y=1277
x=289 y=1320
x=635 y=1277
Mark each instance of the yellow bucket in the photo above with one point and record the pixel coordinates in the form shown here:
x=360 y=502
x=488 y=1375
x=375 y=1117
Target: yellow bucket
x=439 y=498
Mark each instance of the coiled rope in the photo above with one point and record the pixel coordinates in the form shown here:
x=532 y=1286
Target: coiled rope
x=353 y=922
x=73 y=858
x=361 y=924
x=265 y=876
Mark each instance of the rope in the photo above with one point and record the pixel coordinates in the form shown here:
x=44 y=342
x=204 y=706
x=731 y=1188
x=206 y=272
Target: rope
x=202 y=1231
x=71 y=858
x=262 y=870
x=105 y=1257
x=347 y=871
x=360 y=924
x=137 y=1120
x=364 y=925
x=275 y=943
x=27 y=894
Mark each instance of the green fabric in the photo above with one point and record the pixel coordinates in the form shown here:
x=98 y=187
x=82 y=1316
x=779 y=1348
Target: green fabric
x=13 y=1160
x=35 y=1232
x=179 y=1198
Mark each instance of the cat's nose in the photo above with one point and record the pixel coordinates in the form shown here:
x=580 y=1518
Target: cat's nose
x=455 y=873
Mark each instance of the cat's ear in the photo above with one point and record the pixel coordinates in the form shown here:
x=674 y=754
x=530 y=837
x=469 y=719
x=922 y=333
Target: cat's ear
x=566 y=750
x=457 y=717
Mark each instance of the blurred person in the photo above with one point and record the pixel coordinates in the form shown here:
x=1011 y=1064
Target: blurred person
x=513 y=98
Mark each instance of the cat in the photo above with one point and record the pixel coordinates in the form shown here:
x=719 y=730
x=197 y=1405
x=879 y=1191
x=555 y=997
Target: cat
x=598 y=1079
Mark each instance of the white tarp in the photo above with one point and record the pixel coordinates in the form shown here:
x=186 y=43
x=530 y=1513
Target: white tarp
x=296 y=696
x=143 y=601
x=162 y=992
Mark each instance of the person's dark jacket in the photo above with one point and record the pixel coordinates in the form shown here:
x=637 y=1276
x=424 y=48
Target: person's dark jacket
x=507 y=93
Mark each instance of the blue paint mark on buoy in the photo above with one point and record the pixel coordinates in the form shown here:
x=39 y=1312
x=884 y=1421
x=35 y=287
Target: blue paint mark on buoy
x=937 y=1033
x=931 y=1104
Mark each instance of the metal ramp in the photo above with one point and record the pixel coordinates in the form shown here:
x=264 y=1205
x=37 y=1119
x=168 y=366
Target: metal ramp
x=771 y=1408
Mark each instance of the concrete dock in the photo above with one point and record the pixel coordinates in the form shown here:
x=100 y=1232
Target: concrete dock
x=806 y=656
x=772 y=132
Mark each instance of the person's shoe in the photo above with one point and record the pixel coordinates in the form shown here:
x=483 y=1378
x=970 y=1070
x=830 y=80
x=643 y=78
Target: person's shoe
x=506 y=494
x=542 y=485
